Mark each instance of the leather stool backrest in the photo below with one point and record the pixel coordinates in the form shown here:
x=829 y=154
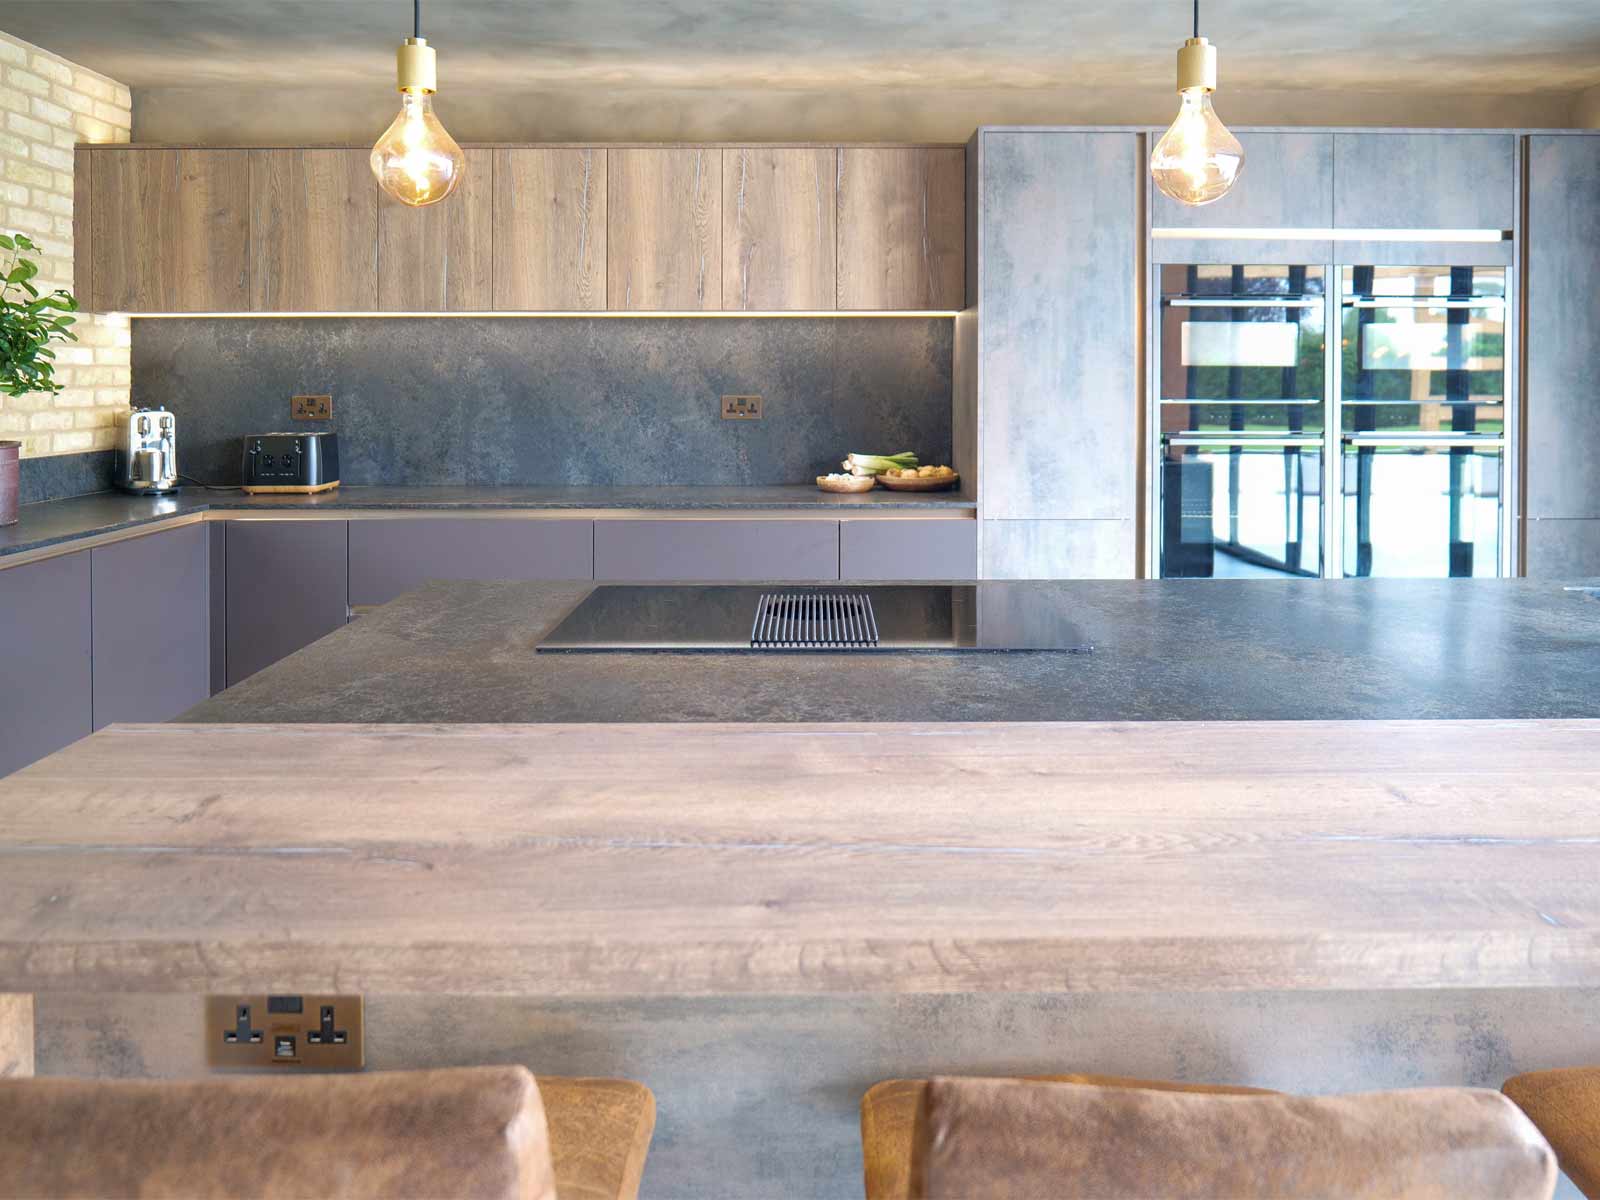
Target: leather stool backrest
x=477 y=1131
x=1012 y=1139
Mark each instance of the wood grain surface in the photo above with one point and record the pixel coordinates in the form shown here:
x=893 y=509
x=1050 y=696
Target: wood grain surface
x=779 y=221
x=664 y=230
x=313 y=231
x=550 y=230
x=902 y=229
x=596 y=860
x=16 y=1036
x=440 y=258
x=167 y=231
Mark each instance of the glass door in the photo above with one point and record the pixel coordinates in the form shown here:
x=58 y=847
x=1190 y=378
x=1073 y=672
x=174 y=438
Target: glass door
x=1422 y=421
x=1242 y=380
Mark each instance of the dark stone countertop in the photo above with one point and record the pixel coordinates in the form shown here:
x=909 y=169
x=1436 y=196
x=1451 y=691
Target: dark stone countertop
x=57 y=521
x=1164 y=650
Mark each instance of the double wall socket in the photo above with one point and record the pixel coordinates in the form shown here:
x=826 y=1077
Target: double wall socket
x=320 y=1033
x=311 y=408
x=741 y=408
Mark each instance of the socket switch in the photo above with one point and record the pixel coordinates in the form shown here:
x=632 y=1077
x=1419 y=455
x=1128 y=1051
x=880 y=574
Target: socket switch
x=320 y=1033
x=311 y=408
x=741 y=408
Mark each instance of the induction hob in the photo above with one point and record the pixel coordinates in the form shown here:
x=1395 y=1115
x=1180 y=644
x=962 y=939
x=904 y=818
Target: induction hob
x=889 y=618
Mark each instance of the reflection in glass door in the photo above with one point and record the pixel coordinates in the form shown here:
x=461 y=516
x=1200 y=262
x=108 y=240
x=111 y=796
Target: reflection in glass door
x=1422 y=421
x=1242 y=420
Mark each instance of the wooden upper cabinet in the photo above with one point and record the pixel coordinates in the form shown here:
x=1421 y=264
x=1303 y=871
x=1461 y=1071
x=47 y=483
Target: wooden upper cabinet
x=440 y=258
x=550 y=230
x=779 y=229
x=167 y=230
x=664 y=230
x=902 y=229
x=313 y=231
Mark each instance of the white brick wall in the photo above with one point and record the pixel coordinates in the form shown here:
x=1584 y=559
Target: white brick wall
x=47 y=105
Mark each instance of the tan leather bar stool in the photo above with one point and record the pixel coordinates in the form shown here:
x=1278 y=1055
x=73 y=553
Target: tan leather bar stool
x=479 y=1131
x=889 y=1110
x=1008 y=1139
x=1565 y=1105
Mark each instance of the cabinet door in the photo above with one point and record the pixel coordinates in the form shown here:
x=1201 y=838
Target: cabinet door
x=287 y=587
x=713 y=551
x=46 y=694
x=902 y=229
x=1059 y=331
x=440 y=258
x=664 y=230
x=394 y=555
x=151 y=626
x=168 y=230
x=550 y=230
x=1286 y=183
x=1562 y=435
x=890 y=549
x=779 y=222
x=1424 y=180
x=313 y=231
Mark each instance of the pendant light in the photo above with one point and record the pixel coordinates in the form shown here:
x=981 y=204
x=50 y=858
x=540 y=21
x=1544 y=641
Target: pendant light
x=1197 y=160
x=415 y=160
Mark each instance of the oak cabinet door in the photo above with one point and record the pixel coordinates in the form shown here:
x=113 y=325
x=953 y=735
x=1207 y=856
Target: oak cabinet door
x=440 y=258
x=313 y=231
x=550 y=230
x=902 y=228
x=167 y=230
x=664 y=230
x=779 y=223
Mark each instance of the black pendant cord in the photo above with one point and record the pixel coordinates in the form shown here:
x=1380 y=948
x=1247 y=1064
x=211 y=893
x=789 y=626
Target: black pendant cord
x=416 y=16
x=1196 y=17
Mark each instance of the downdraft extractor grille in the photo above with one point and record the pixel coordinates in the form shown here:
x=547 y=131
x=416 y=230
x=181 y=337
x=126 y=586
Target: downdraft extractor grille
x=814 y=621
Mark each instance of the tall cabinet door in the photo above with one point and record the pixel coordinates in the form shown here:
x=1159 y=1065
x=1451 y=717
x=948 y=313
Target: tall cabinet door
x=550 y=230
x=779 y=222
x=1562 y=435
x=168 y=230
x=440 y=257
x=1058 y=340
x=664 y=230
x=45 y=688
x=313 y=231
x=151 y=626
x=288 y=585
x=902 y=223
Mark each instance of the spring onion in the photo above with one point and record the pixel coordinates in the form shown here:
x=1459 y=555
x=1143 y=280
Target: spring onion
x=877 y=464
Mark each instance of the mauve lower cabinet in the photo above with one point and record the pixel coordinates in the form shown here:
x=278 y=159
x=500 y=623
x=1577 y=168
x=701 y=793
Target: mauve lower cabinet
x=152 y=626
x=287 y=586
x=46 y=688
x=395 y=554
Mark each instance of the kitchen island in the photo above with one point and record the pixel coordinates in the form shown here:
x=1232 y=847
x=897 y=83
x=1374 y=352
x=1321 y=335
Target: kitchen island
x=759 y=920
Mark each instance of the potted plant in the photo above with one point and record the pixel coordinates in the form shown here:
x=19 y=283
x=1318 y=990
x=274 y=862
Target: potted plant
x=29 y=322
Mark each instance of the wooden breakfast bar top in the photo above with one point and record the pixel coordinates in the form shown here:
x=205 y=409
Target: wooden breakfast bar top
x=705 y=860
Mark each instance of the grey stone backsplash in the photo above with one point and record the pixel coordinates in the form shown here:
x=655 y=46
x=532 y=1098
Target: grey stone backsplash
x=551 y=401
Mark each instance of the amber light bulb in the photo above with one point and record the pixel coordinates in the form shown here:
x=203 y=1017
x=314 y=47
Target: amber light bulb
x=416 y=161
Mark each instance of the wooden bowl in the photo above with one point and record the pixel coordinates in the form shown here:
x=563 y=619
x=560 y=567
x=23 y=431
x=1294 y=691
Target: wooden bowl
x=922 y=483
x=863 y=483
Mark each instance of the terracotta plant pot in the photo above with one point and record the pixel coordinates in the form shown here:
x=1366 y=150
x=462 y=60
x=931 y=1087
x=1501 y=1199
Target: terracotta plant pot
x=10 y=452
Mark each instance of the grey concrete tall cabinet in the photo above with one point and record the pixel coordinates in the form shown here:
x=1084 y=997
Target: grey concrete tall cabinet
x=1562 y=425
x=1052 y=397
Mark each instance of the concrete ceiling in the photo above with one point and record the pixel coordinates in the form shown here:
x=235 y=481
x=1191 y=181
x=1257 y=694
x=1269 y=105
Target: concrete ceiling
x=1504 y=47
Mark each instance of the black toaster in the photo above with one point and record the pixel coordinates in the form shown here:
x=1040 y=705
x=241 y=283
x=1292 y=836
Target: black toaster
x=290 y=462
